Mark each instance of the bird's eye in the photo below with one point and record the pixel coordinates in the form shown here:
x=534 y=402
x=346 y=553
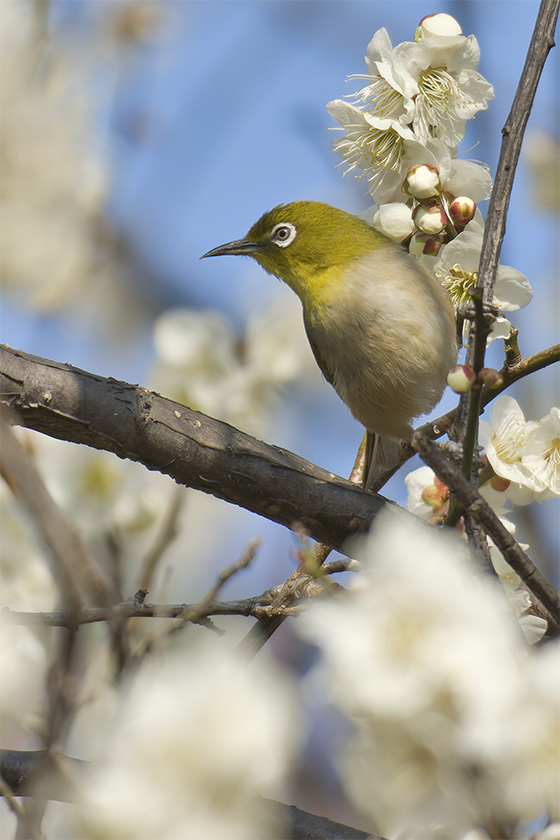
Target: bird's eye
x=283 y=234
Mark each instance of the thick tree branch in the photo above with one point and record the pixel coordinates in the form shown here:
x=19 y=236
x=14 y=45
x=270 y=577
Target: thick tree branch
x=195 y=450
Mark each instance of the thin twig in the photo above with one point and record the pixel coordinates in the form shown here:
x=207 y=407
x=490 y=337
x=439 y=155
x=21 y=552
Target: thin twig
x=264 y=628
x=165 y=536
x=136 y=606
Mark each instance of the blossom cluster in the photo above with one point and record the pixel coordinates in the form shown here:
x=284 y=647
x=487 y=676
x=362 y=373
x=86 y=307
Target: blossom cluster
x=455 y=719
x=402 y=131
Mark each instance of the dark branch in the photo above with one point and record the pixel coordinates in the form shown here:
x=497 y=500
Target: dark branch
x=18 y=769
x=194 y=449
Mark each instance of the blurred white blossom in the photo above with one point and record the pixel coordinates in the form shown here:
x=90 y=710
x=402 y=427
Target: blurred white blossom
x=24 y=660
x=533 y=627
x=53 y=183
x=201 y=362
x=197 y=738
x=427 y=660
x=541 y=150
x=26 y=582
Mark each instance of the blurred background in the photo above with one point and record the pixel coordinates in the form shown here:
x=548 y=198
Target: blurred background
x=138 y=135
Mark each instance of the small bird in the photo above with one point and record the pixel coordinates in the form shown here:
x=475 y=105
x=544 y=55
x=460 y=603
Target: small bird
x=380 y=326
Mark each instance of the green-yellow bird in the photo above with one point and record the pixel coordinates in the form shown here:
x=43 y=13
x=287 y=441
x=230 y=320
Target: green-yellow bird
x=380 y=326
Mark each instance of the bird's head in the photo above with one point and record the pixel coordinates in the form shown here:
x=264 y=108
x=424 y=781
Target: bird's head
x=303 y=242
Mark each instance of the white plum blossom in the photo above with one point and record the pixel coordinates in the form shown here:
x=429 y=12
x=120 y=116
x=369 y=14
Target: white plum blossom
x=532 y=471
x=469 y=177
x=198 y=737
x=449 y=90
x=456 y=267
x=383 y=148
x=503 y=439
x=541 y=454
x=432 y=84
x=428 y=662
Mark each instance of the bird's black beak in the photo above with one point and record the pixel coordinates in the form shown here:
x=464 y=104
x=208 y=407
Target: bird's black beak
x=239 y=246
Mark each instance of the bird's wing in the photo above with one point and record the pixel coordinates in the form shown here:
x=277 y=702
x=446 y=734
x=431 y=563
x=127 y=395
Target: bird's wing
x=326 y=369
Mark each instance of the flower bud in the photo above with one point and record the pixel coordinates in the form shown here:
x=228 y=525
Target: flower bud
x=425 y=243
x=490 y=377
x=435 y=495
x=422 y=181
x=461 y=210
x=431 y=496
x=429 y=217
x=440 y=24
x=461 y=378
x=500 y=484
x=394 y=220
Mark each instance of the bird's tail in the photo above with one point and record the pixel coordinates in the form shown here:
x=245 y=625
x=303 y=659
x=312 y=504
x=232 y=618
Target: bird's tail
x=382 y=454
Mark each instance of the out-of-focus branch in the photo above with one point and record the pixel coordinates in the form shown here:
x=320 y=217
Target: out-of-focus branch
x=18 y=769
x=278 y=601
x=194 y=449
x=78 y=576
x=541 y=588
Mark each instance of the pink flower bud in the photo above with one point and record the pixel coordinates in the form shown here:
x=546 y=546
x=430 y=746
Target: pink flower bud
x=435 y=494
x=461 y=210
x=461 y=378
x=440 y=24
x=443 y=487
x=490 y=377
x=429 y=217
x=422 y=181
x=425 y=243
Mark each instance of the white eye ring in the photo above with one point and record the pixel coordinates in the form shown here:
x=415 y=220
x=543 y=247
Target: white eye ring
x=283 y=234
